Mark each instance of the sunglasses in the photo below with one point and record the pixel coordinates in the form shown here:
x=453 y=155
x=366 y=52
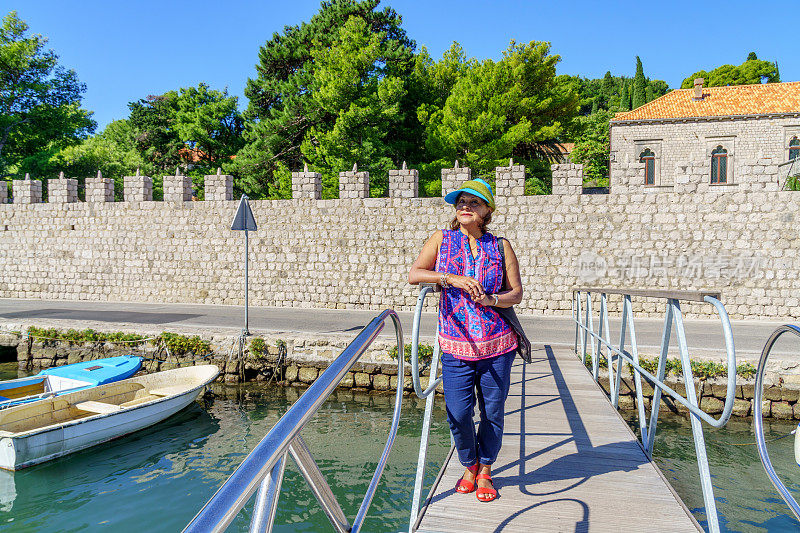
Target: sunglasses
x=472 y=203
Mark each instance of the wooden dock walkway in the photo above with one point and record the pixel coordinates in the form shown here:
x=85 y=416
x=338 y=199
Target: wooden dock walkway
x=569 y=462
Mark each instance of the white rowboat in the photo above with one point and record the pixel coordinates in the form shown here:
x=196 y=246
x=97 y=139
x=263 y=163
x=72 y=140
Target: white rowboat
x=37 y=432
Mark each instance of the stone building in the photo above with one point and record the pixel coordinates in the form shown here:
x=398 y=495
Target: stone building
x=707 y=139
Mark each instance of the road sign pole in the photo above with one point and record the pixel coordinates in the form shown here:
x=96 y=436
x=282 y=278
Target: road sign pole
x=246 y=283
x=244 y=221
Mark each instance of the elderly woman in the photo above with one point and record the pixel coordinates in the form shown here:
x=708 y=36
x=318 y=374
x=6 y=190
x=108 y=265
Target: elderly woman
x=476 y=343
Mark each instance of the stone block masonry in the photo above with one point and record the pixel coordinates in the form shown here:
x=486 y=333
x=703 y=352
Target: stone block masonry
x=307 y=185
x=354 y=253
x=219 y=187
x=353 y=184
x=177 y=188
x=62 y=190
x=137 y=188
x=99 y=189
x=404 y=183
x=26 y=191
x=452 y=178
x=510 y=181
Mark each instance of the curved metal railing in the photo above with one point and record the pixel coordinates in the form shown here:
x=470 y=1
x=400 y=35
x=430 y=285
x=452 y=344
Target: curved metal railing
x=601 y=340
x=759 y=422
x=428 y=394
x=263 y=468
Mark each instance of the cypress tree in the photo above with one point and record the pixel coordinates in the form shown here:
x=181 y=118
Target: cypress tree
x=777 y=73
x=608 y=85
x=649 y=94
x=639 y=86
x=594 y=106
x=624 y=101
x=752 y=56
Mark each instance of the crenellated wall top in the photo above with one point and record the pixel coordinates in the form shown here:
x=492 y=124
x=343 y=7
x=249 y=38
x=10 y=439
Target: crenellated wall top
x=306 y=184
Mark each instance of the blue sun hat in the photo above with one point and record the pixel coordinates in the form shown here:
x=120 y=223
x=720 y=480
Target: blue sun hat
x=477 y=187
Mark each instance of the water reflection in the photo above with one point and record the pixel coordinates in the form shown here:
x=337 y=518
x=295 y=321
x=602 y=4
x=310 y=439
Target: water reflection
x=746 y=500
x=157 y=479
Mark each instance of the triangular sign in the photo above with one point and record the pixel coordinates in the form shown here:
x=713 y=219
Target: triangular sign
x=244 y=219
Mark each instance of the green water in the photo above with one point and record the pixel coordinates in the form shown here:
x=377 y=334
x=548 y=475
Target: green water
x=746 y=500
x=157 y=479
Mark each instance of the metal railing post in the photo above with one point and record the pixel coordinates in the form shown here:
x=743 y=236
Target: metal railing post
x=267 y=499
x=672 y=316
x=759 y=422
x=662 y=366
x=264 y=465
x=697 y=427
x=429 y=394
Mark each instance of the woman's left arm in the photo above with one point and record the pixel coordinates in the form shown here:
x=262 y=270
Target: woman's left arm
x=513 y=293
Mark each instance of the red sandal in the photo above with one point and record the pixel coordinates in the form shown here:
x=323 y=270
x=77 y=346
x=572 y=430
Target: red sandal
x=465 y=487
x=486 y=494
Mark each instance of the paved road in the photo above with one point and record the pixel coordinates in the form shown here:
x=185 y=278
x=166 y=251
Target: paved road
x=704 y=336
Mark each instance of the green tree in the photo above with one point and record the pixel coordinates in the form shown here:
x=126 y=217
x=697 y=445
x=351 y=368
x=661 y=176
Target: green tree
x=208 y=122
x=624 y=102
x=283 y=107
x=40 y=100
x=592 y=147
x=153 y=120
x=358 y=85
x=112 y=152
x=608 y=86
x=511 y=108
x=750 y=72
x=639 y=86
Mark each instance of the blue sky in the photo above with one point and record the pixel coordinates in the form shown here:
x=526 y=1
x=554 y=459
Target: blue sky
x=126 y=50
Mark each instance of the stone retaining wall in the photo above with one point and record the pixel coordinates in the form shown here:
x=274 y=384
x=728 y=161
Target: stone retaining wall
x=302 y=358
x=780 y=400
x=300 y=363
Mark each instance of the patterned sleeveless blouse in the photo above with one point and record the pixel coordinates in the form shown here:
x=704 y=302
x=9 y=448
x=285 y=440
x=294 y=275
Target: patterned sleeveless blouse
x=469 y=330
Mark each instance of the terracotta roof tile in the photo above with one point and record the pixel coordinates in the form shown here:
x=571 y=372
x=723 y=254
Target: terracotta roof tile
x=759 y=99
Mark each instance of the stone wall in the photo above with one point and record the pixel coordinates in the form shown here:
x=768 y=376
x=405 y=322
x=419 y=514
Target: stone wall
x=300 y=359
x=755 y=147
x=355 y=252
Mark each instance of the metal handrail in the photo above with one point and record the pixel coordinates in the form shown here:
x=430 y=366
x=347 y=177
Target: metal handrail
x=427 y=288
x=759 y=422
x=428 y=395
x=613 y=354
x=263 y=468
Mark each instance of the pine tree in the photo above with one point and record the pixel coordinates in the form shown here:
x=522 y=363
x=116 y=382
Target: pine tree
x=594 y=106
x=639 y=86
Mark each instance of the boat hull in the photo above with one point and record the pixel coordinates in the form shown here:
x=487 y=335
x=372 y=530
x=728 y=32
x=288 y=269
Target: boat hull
x=25 y=449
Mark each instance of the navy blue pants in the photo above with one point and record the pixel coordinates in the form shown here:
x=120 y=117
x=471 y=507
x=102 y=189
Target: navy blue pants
x=489 y=381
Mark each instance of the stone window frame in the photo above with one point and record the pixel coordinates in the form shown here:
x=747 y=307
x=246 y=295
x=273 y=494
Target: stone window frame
x=794 y=146
x=719 y=162
x=728 y=143
x=649 y=164
x=789 y=133
x=654 y=145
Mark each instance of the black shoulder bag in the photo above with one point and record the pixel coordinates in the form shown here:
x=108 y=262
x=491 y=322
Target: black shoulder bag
x=510 y=316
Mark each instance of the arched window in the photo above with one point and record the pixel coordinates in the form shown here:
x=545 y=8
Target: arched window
x=794 y=148
x=649 y=159
x=719 y=165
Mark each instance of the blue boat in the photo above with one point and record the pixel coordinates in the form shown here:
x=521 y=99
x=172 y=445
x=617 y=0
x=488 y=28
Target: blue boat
x=68 y=378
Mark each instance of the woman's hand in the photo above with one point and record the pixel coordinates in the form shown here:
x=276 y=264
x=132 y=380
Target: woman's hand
x=472 y=286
